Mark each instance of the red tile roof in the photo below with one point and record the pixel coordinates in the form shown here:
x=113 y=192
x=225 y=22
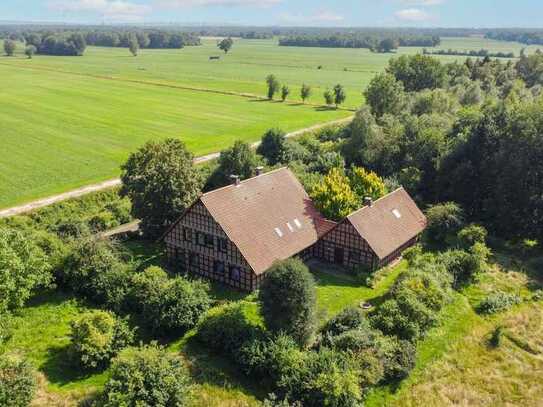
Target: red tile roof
x=269 y=217
x=389 y=223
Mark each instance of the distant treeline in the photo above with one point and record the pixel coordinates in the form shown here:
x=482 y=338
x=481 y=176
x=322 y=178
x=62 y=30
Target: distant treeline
x=153 y=39
x=528 y=37
x=483 y=53
x=68 y=44
x=373 y=42
x=61 y=41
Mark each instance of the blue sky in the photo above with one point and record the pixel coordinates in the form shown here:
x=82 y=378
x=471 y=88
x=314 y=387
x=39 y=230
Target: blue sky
x=442 y=13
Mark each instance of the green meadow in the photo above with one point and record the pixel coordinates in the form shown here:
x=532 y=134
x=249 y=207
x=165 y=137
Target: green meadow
x=69 y=121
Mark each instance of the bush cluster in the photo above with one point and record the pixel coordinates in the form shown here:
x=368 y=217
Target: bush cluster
x=17 y=381
x=415 y=299
x=497 y=302
x=98 y=336
x=147 y=376
x=168 y=305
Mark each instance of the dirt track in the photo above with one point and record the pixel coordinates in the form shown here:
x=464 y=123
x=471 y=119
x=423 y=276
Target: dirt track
x=40 y=203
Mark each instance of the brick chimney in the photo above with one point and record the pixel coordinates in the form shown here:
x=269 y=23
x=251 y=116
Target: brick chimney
x=368 y=201
x=235 y=179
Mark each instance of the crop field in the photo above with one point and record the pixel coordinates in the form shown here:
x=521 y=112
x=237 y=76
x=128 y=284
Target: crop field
x=69 y=121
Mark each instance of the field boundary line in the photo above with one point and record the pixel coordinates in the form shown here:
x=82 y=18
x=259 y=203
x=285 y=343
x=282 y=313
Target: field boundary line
x=173 y=86
x=112 y=183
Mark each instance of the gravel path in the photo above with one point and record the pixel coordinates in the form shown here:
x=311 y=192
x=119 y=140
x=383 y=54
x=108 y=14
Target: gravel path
x=40 y=203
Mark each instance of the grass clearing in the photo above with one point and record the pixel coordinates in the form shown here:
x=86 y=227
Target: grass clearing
x=337 y=290
x=456 y=364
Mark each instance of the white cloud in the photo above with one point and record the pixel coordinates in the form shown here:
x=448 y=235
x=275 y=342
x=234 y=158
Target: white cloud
x=206 y=3
x=118 y=10
x=423 y=3
x=413 y=15
x=319 y=17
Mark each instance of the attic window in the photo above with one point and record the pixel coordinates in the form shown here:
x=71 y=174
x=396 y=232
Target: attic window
x=278 y=231
x=298 y=223
x=396 y=213
x=290 y=227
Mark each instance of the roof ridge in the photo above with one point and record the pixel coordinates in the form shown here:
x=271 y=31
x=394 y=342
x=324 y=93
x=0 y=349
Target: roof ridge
x=244 y=181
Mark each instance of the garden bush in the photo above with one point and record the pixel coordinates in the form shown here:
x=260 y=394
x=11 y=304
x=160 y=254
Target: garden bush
x=168 y=305
x=349 y=318
x=96 y=337
x=327 y=378
x=147 y=376
x=225 y=329
x=271 y=358
x=497 y=302
x=24 y=268
x=288 y=300
x=17 y=381
x=444 y=222
x=472 y=234
x=95 y=270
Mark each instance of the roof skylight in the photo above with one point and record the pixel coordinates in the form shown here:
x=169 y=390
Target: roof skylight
x=396 y=213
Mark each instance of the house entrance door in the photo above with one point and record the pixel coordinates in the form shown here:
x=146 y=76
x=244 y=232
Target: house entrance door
x=339 y=254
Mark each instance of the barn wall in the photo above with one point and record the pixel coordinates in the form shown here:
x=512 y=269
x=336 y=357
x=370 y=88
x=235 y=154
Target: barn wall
x=345 y=238
x=198 y=245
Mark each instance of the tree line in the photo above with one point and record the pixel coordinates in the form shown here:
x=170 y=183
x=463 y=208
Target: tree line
x=378 y=43
x=483 y=53
x=528 y=37
x=152 y=39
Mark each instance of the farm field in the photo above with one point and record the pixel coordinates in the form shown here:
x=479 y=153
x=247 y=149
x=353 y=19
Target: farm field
x=70 y=121
x=63 y=131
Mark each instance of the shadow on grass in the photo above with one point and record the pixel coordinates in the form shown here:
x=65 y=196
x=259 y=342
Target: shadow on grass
x=60 y=369
x=325 y=108
x=213 y=369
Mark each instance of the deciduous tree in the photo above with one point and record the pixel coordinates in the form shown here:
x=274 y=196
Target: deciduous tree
x=273 y=86
x=161 y=181
x=9 y=47
x=305 y=92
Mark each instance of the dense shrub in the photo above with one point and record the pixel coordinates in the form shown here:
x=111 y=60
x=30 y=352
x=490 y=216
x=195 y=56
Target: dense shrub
x=444 y=222
x=147 y=376
x=168 y=305
x=272 y=146
x=24 y=268
x=240 y=160
x=95 y=271
x=225 y=329
x=327 y=378
x=349 y=318
x=398 y=356
x=464 y=265
x=472 y=234
x=497 y=302
x=17 y=381
x=271 y=358
x=416 y=297
x=96 y=337
x=288 y=299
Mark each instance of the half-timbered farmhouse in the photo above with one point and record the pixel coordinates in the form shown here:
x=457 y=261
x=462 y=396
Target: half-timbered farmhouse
x=234 y=234
x=375 y=235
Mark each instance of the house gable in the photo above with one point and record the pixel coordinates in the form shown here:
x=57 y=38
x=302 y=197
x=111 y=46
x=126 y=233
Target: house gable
x=196 y=243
